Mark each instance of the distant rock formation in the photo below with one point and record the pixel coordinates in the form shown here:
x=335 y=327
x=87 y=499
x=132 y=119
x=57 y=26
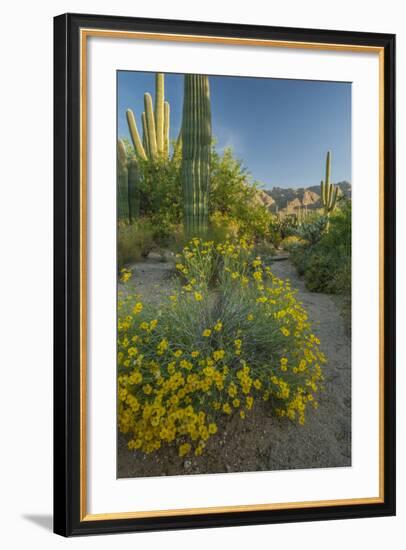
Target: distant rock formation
x=290 y=200
x=310 y=197
x=263 y=198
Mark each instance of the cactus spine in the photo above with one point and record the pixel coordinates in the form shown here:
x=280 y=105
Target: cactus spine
x=329 y=191
x=155 y=125
x=122 y=182
x=196 y=152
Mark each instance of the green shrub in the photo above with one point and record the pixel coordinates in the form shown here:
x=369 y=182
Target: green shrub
x=233 y=199
x=281 y=227
x=313 y=229
x=325 y=261
x=134 y=241
x=290 y=243
x=319 y=271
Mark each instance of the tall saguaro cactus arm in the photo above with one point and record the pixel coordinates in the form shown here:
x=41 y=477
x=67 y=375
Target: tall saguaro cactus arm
x=155 y=125
x=135 y=136
x=151 y=128
x=329 y=191
x=196 y=152
x=159 y=110
x=167 y=114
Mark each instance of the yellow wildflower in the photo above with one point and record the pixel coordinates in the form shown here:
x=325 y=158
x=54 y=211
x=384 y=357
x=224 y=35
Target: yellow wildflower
x=219 y=354
x=184 y=449
x=138 y=308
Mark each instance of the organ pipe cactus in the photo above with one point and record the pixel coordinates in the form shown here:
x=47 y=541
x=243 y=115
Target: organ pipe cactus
x=196 y=153
x=122 y=182
x=329 y=191
x=155 y=121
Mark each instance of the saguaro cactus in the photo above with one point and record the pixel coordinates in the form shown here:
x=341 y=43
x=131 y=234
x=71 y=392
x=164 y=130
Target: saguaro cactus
x=155 y=125
x=196 y=152
x=122 y=182
x=133 y=189
x=329 y=191
x=128 y=189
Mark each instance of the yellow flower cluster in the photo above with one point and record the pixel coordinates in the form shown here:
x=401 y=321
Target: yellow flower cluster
x=186 y=364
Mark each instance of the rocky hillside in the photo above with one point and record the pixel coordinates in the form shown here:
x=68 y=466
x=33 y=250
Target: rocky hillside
x=291 y=199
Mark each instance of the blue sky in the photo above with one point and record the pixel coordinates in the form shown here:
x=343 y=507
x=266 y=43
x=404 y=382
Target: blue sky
x=280 y=129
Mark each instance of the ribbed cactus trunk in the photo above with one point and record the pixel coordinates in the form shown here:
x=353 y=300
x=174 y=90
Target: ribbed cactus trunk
x=122 y=182
x=133 y=189
x=159 y=111
x=329 y=192
x=196 y=152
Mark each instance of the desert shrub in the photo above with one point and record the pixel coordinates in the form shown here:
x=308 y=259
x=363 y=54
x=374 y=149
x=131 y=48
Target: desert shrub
x=291 y=242
x=223 y=227
x=133 y=241
x=233 y=199
x=325 y=261
x=281 y=227
x=312 y=230
x=265 y=249
x=205 y=355
x=231 y=191
x=319 y=271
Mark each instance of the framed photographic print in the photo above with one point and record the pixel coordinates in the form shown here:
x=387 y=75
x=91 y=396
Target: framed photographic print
x=224 y=274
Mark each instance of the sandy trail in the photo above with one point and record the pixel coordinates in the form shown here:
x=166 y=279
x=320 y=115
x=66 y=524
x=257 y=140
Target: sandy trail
x=263 y=442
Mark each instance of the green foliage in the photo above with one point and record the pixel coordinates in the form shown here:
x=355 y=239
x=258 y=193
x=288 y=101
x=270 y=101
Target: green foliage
x=291 y=242
x=312 y=230
x=282 y=227
x=134 y=241
x=158 y=193
x=196 y=152
x=233 y=204
x=325 y=259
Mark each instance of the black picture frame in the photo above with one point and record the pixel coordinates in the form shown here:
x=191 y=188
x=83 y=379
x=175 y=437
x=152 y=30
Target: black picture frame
x=67 y=354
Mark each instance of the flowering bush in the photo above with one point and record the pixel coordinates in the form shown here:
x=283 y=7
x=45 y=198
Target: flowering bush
x=230 y=335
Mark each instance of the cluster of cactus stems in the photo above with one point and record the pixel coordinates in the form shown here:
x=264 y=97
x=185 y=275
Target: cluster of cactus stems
x=196 y=153
x=194 y=141
x=329 y=191
x=127 y=185
x=154 y=143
